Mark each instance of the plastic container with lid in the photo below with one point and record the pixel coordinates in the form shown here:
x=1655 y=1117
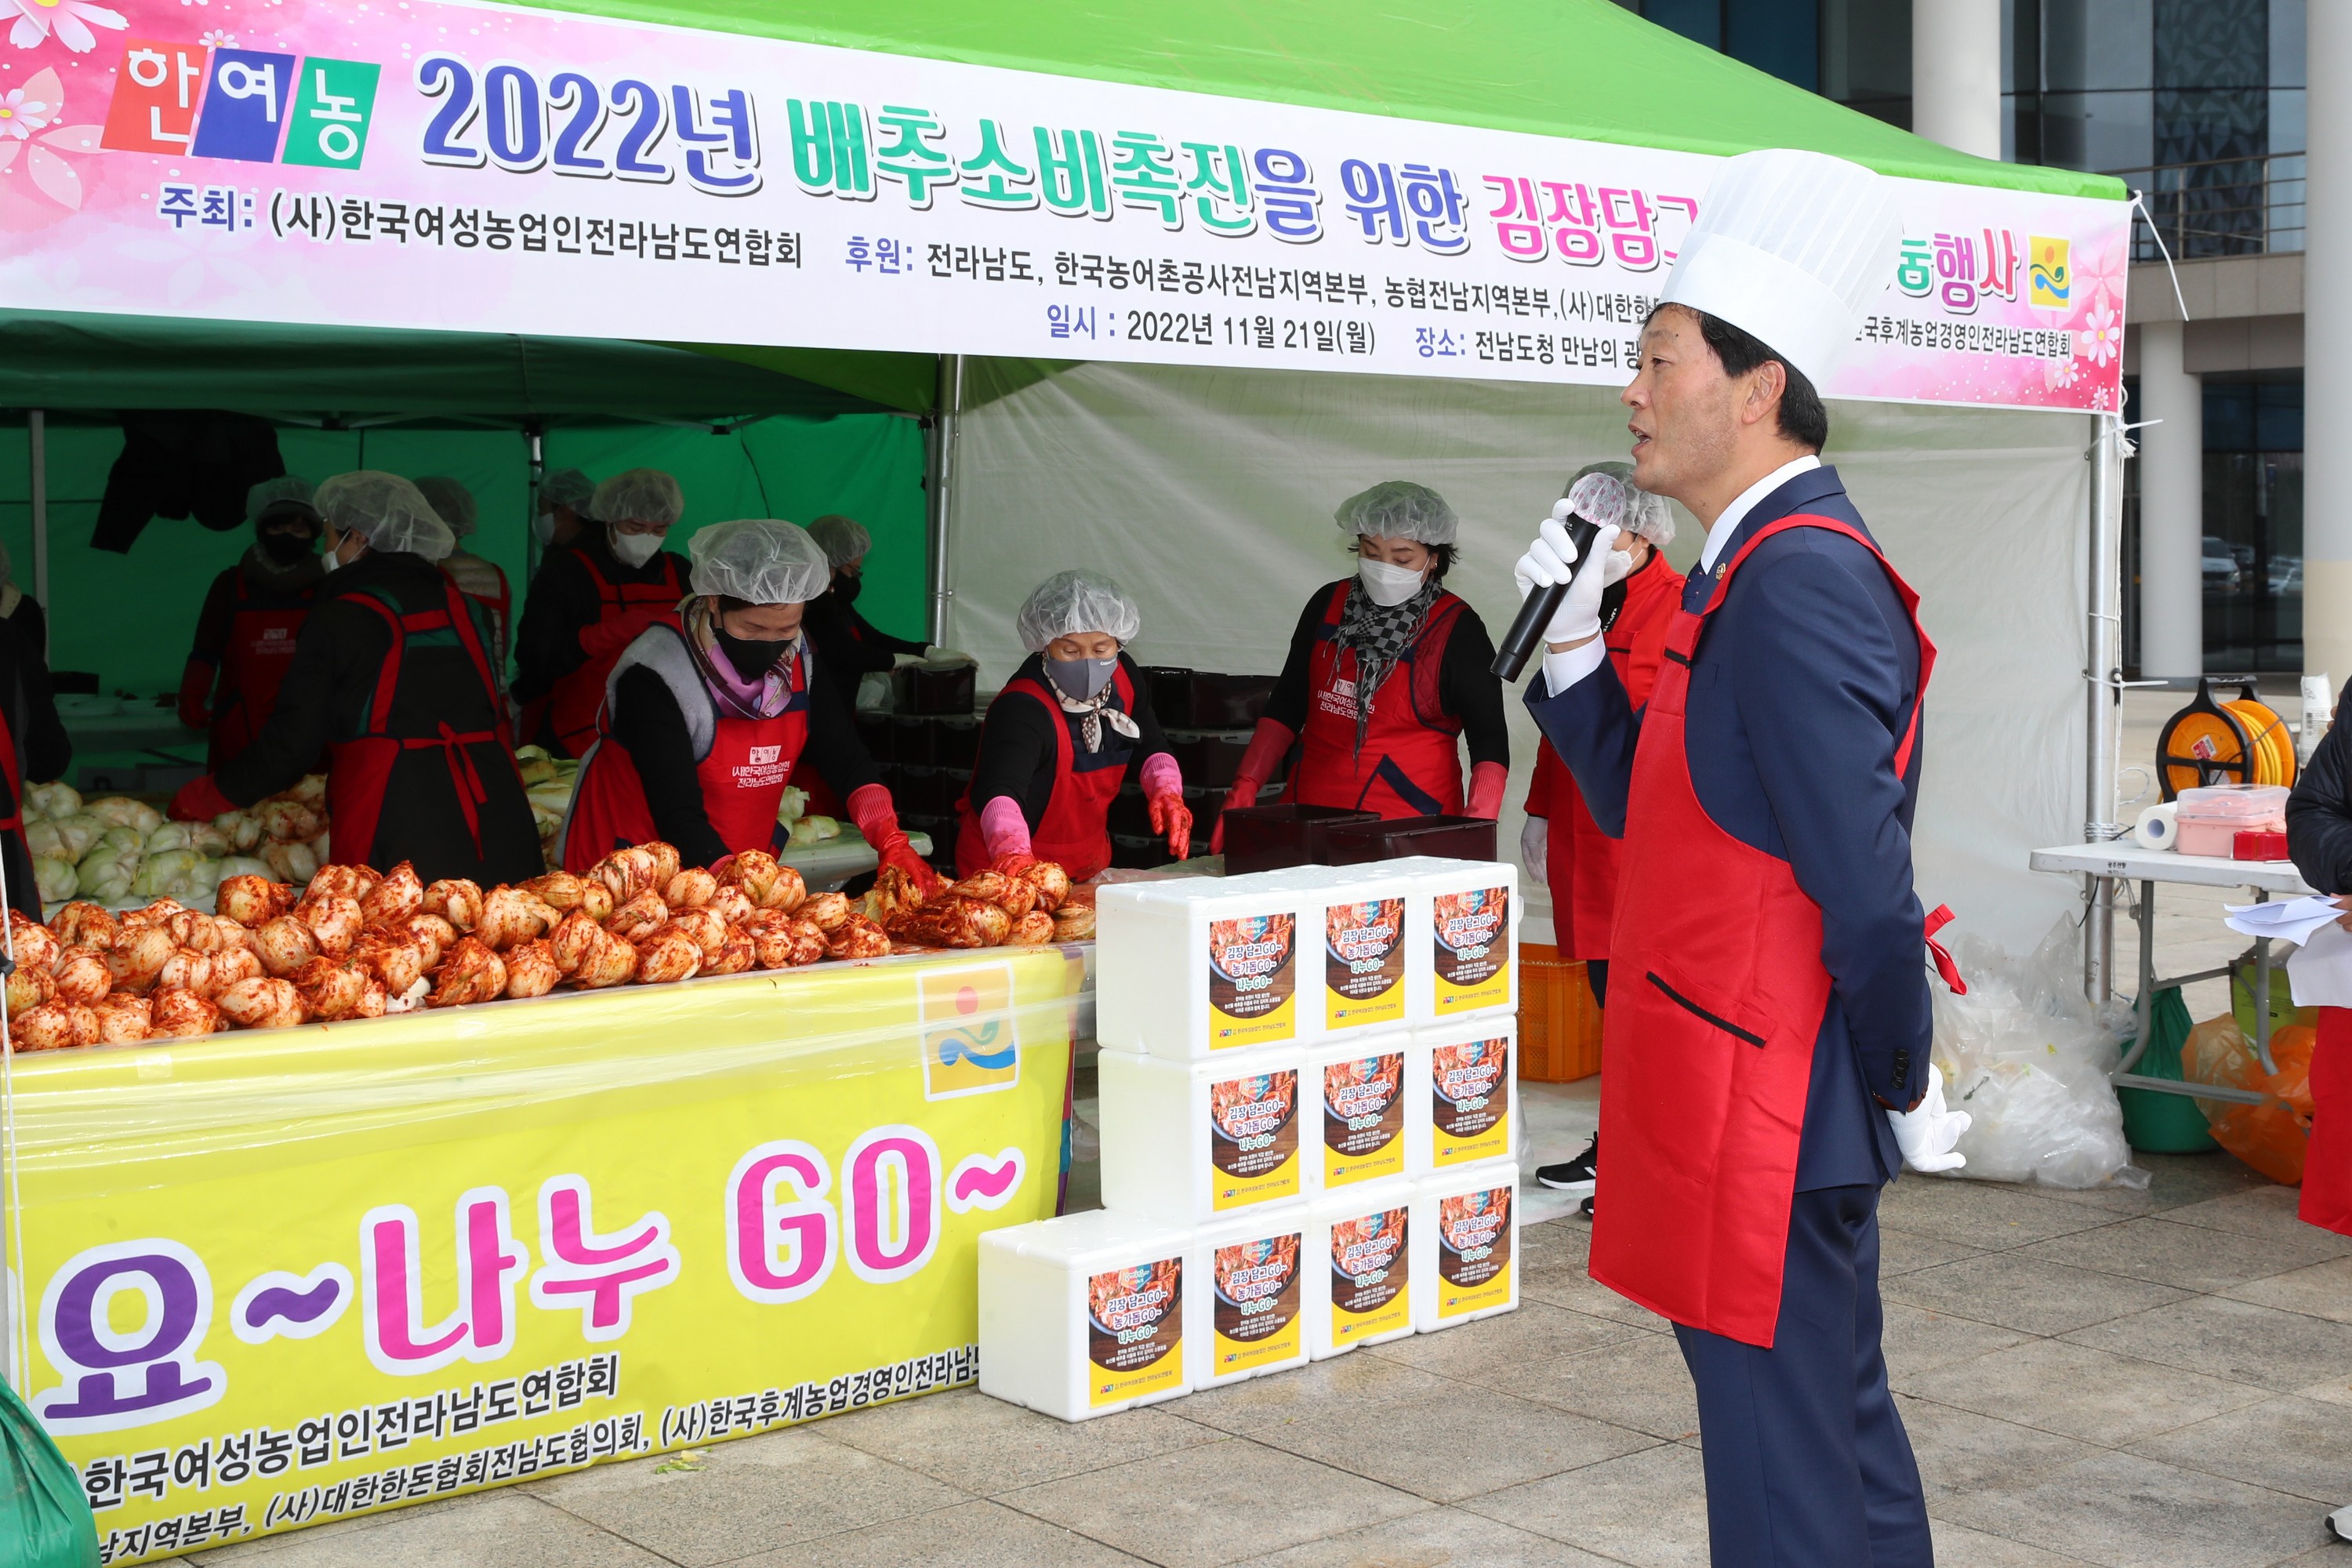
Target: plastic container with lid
x=2211 y=818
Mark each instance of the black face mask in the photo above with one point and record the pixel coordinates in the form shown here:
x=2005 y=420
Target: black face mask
x=287 y=549
x=751 y=659
x=847 y=588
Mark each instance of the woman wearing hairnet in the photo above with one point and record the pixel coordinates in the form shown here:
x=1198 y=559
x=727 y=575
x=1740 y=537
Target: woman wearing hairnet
x=1388 y=675
x=848 y=645
x=252 y=615
x=590 y=601
x=713 y=705
x=1062 y=737
x=1562 y=843
x=481 y=581
x=564 y=499
x=391 y=677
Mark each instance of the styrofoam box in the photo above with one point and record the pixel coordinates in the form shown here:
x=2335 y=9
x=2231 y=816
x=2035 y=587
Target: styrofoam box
x=1462 y=937
x=1365 y=1115
x=1465 y=1077
x=1192 y=967
x=1187 y=1142
x=1359 y=1270
x=1248 y=1307
x=1084 y=1315
x=1358 y=946
x=1465 y=1247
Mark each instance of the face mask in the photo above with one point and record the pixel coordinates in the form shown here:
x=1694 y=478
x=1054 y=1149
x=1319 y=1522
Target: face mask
x=332 y=560
x=752 y=659
x=633 y=549
x=1387 y=583
x=847 y=588
x=1080 y=678
x=542 y=529
x=284 y=549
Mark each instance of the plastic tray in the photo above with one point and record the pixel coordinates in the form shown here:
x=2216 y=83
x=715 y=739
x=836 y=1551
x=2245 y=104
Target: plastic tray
x=1268 y=837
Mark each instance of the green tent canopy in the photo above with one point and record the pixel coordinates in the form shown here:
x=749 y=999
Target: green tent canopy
x=1583 y=68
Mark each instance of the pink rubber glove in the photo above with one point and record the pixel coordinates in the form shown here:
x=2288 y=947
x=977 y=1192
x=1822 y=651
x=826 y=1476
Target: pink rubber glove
x=1002 y=827
x=1268 y=744
x=870 y=807
x=1487 y=780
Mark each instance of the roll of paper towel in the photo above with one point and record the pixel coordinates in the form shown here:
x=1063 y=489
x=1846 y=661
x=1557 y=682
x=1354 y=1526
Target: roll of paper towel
x=2157 y=828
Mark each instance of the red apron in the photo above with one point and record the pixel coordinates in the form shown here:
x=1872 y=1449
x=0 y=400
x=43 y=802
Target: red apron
x=262 y=631
x=2327 y=1160
x=1579 y=860
x=742 y=776
x=1718 y=994
x=28 y=897
x=573 y=701
x=1411 y=763
x=359 y=770
x=1075 y=831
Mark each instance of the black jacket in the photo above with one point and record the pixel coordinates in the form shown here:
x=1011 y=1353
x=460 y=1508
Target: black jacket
x=848 y=645
x=2319 y=812
x=43 y=749
x=563 y=600
x=329 y=686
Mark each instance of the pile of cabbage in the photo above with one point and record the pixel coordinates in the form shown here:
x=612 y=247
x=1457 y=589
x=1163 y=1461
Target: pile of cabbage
x=115 y=849
x=802 y=829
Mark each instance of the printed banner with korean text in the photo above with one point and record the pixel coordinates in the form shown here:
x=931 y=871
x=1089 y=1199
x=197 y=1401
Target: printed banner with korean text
x=451 y=165
x=273 y=1279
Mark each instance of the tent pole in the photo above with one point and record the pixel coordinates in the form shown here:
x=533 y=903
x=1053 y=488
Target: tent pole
x=936 y=483
x=37 y=433
x=2102 y=671
x=530 y=550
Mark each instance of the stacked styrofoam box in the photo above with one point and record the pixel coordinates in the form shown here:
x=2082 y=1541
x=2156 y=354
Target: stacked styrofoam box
x=1308 y=1085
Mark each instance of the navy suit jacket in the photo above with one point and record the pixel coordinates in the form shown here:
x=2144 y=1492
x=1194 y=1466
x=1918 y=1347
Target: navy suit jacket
x=1800 y=689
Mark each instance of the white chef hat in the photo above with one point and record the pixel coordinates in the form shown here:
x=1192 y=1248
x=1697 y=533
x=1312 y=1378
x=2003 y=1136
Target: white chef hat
x=1790 y=247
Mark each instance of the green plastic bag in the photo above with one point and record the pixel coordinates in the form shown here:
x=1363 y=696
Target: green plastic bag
x=2154 y=1122
x=44 y=1519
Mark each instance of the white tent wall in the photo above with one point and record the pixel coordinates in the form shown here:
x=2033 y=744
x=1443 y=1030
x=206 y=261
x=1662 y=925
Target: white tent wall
x=1208 y=494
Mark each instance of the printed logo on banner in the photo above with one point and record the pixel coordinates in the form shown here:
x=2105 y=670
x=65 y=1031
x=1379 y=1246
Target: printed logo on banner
x=156 y=89
x=244 y=106
x=329 y=129
x=2054 y=282
x=971 y=1045
x=241 y=105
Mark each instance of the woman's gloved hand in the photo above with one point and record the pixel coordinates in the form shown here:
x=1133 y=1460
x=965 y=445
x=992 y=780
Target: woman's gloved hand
x=1535 y=845
x=1171 y=816
x=1929 y=1135
x=1269 y=742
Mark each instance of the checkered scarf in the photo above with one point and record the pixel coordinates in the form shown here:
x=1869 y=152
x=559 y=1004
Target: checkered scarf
x=1379 y=634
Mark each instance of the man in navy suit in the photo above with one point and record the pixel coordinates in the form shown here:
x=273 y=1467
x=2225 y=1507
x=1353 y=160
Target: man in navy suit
x=1769 y=1066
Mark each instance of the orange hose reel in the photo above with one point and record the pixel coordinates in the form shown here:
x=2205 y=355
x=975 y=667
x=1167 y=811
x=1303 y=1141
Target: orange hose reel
x=2242 y=740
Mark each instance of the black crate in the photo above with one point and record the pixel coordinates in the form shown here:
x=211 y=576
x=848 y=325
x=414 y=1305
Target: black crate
x=1268 y=837
x=1450 y=838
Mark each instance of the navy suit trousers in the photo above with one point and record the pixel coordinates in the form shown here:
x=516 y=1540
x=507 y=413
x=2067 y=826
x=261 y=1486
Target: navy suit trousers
x=1806 y=1462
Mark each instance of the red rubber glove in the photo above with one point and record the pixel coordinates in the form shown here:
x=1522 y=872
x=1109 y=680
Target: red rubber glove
x=870 y=807
x=1015 y=864
x=200 y=800
x=1486 y=784
x=1268 y=744
x=195 y=689
x=1171 y=816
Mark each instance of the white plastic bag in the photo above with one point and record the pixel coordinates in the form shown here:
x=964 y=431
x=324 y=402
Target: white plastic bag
x=2027 y=1056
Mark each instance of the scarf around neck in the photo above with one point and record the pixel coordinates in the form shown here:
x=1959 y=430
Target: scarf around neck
x=1379 y=634
x=765 y=698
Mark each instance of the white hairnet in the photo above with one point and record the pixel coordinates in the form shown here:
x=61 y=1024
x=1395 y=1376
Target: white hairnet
x=1398 y=509
x=761 y=560
x=638 y=495
x=845 y=539
x=1069 y=603
x=285 y=487
x=452 y=500
x=386 y=511
x=566 y=488
x=1645 y=514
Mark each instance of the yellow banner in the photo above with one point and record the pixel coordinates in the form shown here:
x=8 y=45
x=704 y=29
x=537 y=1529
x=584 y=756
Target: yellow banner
x=278 y=1279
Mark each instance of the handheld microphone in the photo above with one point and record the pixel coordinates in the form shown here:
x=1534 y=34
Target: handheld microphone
x=1596 y=502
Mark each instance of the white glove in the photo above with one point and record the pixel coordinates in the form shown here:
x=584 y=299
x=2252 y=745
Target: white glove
x=1535 y=841
x=1552 y=559
x=1929 y=1136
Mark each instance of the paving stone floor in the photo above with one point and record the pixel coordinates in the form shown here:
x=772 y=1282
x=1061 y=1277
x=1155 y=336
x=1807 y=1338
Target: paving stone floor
x=2159 y=1379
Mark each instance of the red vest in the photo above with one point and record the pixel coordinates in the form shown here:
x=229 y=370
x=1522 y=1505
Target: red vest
x=1716 y=996
x=1075 y=831
x=2327 y=1162
x=1579 y=860
x=743 y=773
x=573 y=701
x=360 y=769
x=262 y=631
x=1411 y=764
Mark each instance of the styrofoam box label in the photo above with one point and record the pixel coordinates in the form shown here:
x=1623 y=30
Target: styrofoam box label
x=1474 y=1250
x=1253 y=1139
x=1252 y=980
x=1363 y=1116
x=1470 y=939
x=1363 y=963
x=1257 y=1314
x=1135 y=1330
x=1470 y=1099
x=1370 y=1266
